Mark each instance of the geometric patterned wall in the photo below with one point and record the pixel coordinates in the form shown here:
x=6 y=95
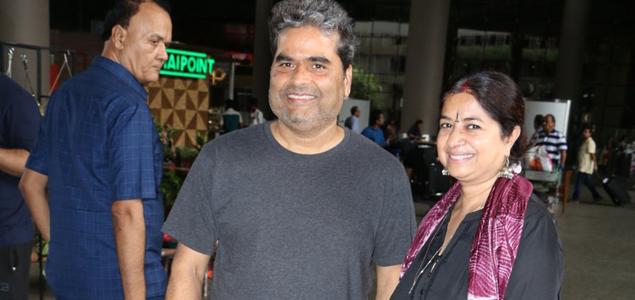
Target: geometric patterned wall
x=182 y=103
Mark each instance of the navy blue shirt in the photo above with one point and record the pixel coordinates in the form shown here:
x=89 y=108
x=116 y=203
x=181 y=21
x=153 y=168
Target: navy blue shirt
x=19 y=121
x=98 y=144
x=375 y=135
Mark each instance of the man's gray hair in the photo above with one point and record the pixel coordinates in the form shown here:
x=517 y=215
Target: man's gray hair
x=326 y=15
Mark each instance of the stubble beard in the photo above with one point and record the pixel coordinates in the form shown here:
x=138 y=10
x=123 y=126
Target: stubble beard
x=310 y=119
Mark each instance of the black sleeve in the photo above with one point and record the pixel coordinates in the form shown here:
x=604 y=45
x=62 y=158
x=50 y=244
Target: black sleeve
x=538 y=270
x=22 y=120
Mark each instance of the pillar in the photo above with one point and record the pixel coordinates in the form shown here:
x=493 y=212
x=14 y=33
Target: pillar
x=571 y=47
x=424 y=63
x=262 y=57
x=26 y=22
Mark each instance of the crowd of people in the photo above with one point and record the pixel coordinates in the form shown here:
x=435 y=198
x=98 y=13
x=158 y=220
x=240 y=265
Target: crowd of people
x=291 y=208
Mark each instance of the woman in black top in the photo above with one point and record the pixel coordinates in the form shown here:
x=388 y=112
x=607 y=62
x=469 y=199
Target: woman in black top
x=487 y=238
x=415 y=130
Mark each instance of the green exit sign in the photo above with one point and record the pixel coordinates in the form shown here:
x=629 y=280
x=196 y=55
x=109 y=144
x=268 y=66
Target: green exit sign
x=190 y=64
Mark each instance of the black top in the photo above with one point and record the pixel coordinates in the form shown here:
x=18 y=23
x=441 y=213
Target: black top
x=537 y=273
x=414 y=130
x=19 y=123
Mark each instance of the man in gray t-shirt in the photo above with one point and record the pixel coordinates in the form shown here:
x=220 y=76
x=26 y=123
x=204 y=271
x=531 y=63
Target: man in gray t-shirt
x=300 y=208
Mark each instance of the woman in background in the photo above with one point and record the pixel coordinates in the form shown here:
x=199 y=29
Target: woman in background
x=487 y=238
x=415 y=130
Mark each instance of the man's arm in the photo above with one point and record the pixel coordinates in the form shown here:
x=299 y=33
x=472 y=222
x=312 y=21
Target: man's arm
x=188 y=269
x=594 y=161
x=12 y=161
x=130 y=239
x=33 y=187
x=563 y=157
x=387 y=279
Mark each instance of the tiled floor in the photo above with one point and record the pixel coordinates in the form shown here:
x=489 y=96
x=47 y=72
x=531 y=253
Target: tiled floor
x=599 y=250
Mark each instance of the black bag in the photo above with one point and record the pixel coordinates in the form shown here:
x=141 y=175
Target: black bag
x=616 y=188
x=623 y=164
x=436 y=184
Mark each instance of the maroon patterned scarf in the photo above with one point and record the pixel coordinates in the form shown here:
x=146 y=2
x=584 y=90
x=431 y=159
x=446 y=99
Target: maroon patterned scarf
x=496 y=242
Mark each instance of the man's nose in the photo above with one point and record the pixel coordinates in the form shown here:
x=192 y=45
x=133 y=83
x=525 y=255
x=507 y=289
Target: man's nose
x=163 y=54
x=300 y=75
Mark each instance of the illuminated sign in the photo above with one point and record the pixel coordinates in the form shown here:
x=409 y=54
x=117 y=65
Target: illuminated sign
x=190 y=64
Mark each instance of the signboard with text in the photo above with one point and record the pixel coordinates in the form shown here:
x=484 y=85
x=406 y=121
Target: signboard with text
x=189 y=64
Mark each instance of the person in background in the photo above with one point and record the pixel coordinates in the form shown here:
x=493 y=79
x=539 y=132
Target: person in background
x=255 y=117
x=604 y=160
x=294 y=205
x=488 y=237
x=391 y=131
x=587 y=164
x=537 y=127
x=373 y=131
x=93 y=179
x=352 y=122
x=554 y=141
x=623 y=158
x=231 y=120
x=411 y=157
x=415 y=130
x=393 y=144
x=20 y=119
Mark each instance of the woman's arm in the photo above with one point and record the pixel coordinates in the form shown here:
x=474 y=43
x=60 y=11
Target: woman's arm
x=538 y=270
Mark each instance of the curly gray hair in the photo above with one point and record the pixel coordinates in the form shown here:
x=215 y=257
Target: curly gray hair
x=326 y=15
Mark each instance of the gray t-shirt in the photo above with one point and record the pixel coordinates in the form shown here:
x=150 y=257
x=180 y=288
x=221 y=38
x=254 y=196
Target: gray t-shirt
x=293 y=226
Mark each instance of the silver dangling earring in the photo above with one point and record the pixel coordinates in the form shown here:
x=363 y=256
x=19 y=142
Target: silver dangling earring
x=507 y=170
x=445 y=172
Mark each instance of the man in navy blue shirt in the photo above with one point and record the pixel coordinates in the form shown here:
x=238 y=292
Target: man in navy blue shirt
x=99 y=154
x=373 y=131
x=19 y=120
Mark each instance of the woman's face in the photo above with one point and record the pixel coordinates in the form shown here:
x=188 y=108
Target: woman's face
x=469 y=142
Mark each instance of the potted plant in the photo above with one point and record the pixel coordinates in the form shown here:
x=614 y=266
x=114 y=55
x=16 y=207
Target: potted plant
x=170 y=186
x=186 y=156
x=167 y=134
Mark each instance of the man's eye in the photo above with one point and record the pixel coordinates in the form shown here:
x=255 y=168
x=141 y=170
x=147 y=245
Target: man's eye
x=286 y=65
x=318 y=66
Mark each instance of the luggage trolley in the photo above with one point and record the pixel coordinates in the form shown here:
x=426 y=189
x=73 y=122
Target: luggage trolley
x=553 y=184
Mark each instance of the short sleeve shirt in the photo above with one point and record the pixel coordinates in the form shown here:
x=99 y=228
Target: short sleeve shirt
x=352 y=123
x=293 y=226
x=19 y=122
x=375 y=135
x=585 y=164
x=554 y=142
x=98 y=144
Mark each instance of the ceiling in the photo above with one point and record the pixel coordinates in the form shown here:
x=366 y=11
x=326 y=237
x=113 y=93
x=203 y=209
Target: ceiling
x=205 y=22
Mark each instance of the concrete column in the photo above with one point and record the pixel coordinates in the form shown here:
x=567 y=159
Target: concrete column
x=424 y=63
x=26 y=22
x=571 y=51
x=262 y=57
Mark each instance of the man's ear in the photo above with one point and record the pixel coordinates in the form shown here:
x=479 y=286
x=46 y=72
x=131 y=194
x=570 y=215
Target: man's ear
x=348 y=80
x=118 y=36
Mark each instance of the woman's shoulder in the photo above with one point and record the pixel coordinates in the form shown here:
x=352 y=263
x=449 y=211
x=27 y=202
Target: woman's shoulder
x=536 y=208
x=538 y=220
